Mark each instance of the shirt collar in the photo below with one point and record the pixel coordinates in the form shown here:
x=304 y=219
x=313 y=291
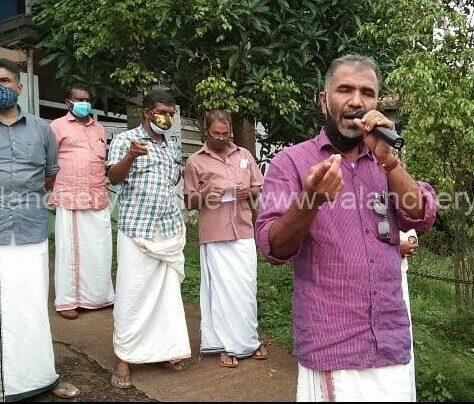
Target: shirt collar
x=143 y=134
x=71 y=118
x=205 y=149
x=21 y=117
x=323 y=143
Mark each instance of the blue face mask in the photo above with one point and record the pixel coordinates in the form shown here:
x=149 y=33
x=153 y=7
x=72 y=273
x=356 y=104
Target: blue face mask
x=81 y=108
x=8 y=97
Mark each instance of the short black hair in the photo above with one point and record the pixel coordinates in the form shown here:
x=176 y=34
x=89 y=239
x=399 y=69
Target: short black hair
x=77 y=86
x=158 y=97
x=12 y=67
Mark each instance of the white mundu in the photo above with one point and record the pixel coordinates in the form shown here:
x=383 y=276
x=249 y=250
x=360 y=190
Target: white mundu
x=406 y=297
x=83 y=259
x=228 y=298
x=149 y=319
x=388 y=383
x=26 y=354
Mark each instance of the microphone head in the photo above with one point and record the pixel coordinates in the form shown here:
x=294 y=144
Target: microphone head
x=359 y=114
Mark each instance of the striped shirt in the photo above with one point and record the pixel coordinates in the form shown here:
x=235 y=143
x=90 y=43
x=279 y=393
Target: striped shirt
x=148 y=198
x=81 y=181
x=229 y=220
x=348 y=308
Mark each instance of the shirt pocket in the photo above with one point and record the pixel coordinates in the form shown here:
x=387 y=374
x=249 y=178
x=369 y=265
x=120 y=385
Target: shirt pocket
x=99 y=149
x=33 y=152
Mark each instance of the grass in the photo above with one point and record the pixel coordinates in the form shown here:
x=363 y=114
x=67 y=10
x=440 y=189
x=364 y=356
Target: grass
x=443 y=337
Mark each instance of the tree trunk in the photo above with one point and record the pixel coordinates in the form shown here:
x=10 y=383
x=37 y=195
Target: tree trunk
x=134 y=111
x=243 y=128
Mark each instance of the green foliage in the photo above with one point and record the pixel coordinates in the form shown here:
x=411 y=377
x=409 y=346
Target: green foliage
x=260 y=58
x=191 y=283
x=427 y=46
x=443 y=338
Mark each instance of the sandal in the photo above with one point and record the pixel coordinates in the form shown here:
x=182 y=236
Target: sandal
x=120 y=381
x=221 y=359
x=178 y=366
x=260 y=353
x=65 y=390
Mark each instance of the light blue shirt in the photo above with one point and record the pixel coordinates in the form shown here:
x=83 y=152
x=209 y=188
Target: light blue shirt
x=28 y=154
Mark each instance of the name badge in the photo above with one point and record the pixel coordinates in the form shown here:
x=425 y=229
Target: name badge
x=244 y=163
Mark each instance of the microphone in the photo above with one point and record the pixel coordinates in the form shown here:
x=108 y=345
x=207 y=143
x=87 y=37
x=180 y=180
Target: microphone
x=388 y=135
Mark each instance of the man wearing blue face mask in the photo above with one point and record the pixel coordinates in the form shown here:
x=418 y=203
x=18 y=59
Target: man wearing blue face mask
x=149 y=319
x=83 y=230
x=28 y=165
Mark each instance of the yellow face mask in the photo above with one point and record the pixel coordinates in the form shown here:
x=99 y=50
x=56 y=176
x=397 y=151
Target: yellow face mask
x=163 y=121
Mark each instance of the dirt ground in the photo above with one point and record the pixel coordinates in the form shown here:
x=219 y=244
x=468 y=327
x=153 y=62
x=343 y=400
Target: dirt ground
x=89 y=377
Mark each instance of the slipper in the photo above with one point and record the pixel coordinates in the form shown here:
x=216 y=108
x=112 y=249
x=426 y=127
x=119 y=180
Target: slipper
x=65 y=390
x=120 y=381
x=260 y=353
x=178 y=366
x=233 y=364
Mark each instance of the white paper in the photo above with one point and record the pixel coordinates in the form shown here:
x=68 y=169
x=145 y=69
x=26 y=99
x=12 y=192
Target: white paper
x=228 y=195
x=244 y=163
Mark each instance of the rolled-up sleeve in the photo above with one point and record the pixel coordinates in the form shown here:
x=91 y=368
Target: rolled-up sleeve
x=431 y=207
x=51 y=146
x=191 y=177
x=281 y=187
x=118 y=149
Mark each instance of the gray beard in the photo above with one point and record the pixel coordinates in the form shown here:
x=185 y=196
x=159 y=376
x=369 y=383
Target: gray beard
x=349 y=133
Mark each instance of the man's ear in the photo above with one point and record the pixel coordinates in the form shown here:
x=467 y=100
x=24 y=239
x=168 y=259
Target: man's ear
x=146 y=113
x=20 y=88
x=323 y=101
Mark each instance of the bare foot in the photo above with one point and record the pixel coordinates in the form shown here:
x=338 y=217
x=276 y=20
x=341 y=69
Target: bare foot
x=121 y=375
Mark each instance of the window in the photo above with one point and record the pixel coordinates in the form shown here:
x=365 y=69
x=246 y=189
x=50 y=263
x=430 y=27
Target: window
x=11 y=8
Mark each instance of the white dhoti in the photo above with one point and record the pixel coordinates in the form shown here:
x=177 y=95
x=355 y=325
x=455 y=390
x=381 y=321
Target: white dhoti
x=149 y=320
x=406 y=298
x=389 y=383
x=83 y=259
x=26 y=354
x=228 y=298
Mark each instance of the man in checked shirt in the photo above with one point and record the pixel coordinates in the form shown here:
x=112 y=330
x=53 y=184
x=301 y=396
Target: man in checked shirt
x=149 y=321
x=334 y=206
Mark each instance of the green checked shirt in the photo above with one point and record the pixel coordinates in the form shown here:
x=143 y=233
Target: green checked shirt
x=147 y=198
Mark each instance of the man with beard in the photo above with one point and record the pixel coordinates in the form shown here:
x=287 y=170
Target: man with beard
x=352 y=335
x=219 y=181
x=28 y=165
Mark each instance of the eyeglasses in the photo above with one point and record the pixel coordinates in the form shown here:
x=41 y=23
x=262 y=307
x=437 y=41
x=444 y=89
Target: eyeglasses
x=379 y=204
x=219 y=136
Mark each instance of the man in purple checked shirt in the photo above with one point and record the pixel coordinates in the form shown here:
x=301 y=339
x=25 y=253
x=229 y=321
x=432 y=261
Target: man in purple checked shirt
x=333 y=206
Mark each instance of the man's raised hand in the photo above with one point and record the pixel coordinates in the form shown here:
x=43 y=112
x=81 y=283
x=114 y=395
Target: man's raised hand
x=325 y=179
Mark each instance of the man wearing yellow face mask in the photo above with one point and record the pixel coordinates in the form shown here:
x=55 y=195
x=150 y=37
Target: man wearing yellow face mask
x=149 y=320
